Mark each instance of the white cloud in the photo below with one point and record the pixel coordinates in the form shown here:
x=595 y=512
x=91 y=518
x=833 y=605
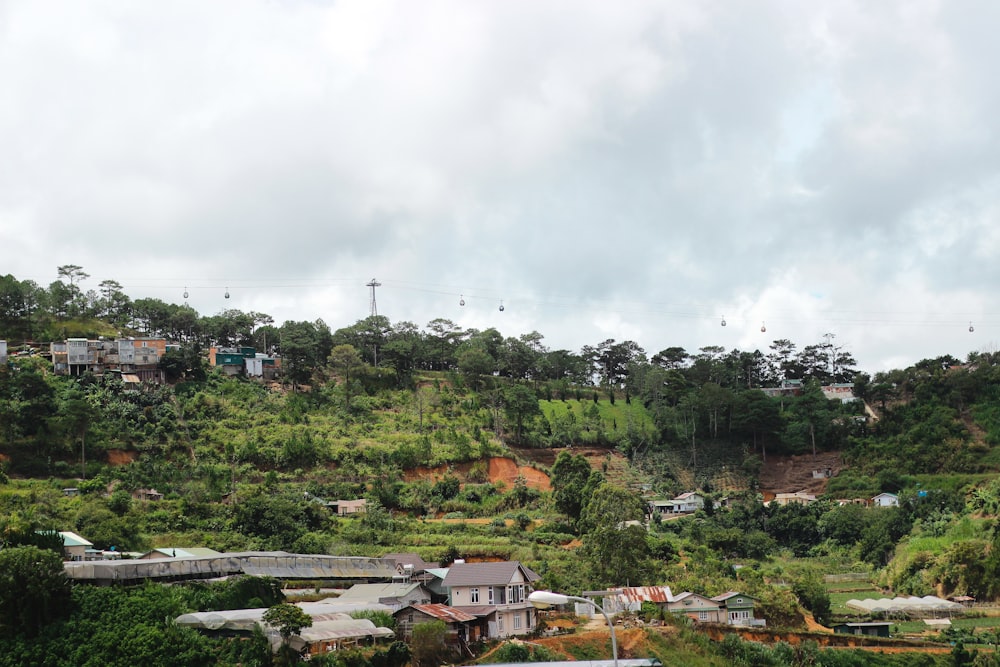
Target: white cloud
x=627 y=171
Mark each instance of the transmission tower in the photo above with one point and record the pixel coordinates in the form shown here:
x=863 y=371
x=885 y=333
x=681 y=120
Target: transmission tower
x=373 y=284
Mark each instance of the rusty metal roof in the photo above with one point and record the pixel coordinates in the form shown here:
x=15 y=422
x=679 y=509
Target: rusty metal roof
x=444 y=612
x=646 y=593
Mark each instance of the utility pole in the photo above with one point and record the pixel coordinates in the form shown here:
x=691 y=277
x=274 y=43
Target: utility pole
x=373 y=284
x=374 y=311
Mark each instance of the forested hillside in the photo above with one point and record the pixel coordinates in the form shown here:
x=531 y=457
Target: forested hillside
x=413 y=420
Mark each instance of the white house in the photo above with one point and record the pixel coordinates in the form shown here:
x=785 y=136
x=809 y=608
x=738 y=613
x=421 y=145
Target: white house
x=886 y=500
x=496 y=593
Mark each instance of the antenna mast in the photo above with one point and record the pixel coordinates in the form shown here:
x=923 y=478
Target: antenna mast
x=373 y=284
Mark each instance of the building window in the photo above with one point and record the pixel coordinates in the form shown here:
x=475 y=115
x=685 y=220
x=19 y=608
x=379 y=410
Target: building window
x=517 y=621
x=702 y=615
x=474 y=595
x=490 y=589
x=500 y=622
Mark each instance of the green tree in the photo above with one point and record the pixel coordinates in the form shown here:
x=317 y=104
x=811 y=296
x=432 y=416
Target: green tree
x=34 y=590
x=569 y=475
x=616 y=549
x=345 y=361
x=520 y=405
x=289 y=620
x=427 y=645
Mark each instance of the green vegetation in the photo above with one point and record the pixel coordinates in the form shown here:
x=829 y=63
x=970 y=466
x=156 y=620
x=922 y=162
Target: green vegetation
x=410 y=419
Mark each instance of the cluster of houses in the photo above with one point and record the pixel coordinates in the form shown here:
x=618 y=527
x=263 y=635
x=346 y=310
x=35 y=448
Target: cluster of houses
x=476 y=601
x=137 y=360
x=691 y=501
x=731 y=608
x=804 y=498
x=489 y=600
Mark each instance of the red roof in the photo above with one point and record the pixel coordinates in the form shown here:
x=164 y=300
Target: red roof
x=444 y=613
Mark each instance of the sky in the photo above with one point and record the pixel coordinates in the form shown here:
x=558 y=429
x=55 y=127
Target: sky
x=627 y=170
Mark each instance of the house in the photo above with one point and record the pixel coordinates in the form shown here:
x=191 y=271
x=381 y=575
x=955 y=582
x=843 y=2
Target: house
x=179 y=552
x=628 y=598
x=689 y=502
x=497 y=593
x=345 y=507
x=393 y=595
x=660 y=507
x=685 y=503
x=868 y=629
x=409 y=564
x=433 y=580
x=147 y=495
x=231 y=360
x=738 y=608
x=885 y=500
x=74 y=546
x=71 y=491
x=697 y=608
x=462 y=627
x=842 y=391
x=797 y=498
x=136 y=356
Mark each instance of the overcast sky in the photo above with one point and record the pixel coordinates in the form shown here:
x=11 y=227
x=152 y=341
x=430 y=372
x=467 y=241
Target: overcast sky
x=627 y=170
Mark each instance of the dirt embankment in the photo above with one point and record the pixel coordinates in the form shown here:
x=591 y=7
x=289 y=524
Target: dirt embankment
x=500 y=470
x=788 y=474
x=120 y=457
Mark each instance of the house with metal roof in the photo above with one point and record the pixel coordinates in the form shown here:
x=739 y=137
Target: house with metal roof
x=409 y=564
x=495 y=592
x=797 y=498
x=885 y=500
x=696 y=607
x=395 y=595
x=74 y=546
x=462 y=627
x=737 y=608
x=867 y=628
x=179 y=552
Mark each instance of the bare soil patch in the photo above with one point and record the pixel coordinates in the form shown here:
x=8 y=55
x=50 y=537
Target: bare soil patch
x=501 y=470
x=788 y=474
x=120 y=457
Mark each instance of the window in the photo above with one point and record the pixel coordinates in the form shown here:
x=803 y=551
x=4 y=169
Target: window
x=474 y=595
x=500 y=622
x=702 y=615
x=490 y=589
x=517 y=621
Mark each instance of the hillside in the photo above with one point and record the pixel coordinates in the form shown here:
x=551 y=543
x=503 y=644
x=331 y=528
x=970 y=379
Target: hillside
x=788 y=474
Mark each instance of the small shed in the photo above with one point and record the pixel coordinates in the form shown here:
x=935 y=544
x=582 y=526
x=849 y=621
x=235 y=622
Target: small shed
x=867 y=628
x=462 y=627
x=147 y=494
x=345 y=507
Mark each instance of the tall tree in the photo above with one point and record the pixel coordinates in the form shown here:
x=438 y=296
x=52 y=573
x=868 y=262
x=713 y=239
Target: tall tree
x=616 y=548
x=346 y=361
x=34 y=590
x=520 y=406
x=74 y=275
x=569 y=475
